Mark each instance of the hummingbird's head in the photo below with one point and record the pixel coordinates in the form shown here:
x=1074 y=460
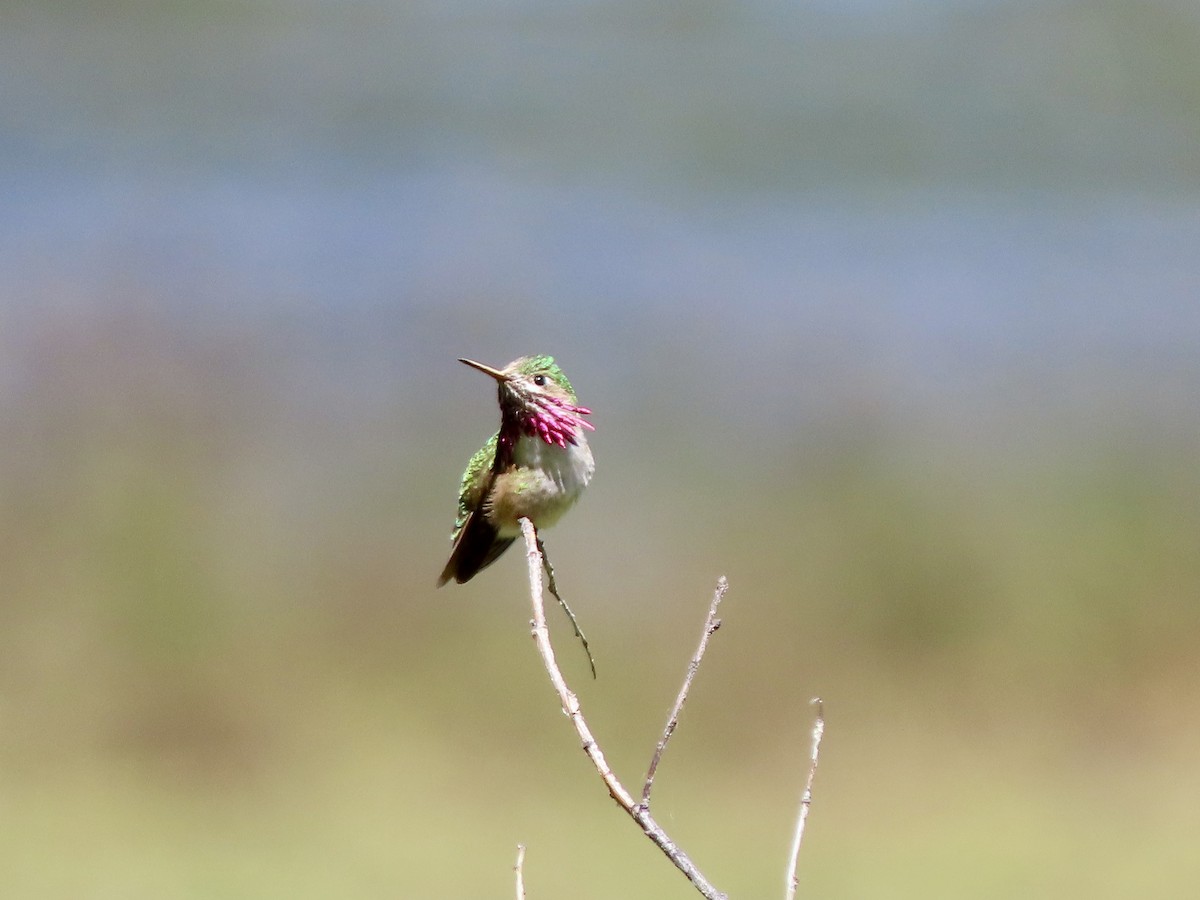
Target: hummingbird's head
x=537 y=395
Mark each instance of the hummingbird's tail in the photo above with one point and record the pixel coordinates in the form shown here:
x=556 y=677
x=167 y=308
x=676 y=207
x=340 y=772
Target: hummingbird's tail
x=477 y=547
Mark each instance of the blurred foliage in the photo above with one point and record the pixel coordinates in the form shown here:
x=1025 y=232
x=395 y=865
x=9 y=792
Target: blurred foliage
x=221 y=676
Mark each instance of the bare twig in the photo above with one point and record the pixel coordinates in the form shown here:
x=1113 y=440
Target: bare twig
x=519 y=868
x=570 y=704
x=563 y=603
x=805 y=799
x=710 y=626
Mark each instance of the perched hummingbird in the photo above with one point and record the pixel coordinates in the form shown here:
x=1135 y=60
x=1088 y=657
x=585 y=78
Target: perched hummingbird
x=534 y=467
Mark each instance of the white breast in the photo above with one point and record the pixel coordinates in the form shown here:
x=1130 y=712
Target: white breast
x=570 y=468
x=546 y=482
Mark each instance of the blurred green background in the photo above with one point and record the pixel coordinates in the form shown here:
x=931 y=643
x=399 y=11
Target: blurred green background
x=889 y=310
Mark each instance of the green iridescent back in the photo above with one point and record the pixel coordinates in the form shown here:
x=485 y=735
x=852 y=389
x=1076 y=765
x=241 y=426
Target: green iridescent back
x=473 y=480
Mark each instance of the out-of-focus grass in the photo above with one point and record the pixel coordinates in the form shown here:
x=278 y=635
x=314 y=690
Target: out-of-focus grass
x=225 y=671
x=361 y=801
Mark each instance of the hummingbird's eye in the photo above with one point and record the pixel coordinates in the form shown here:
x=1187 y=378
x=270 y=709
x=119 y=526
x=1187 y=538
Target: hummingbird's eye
x=539 y=380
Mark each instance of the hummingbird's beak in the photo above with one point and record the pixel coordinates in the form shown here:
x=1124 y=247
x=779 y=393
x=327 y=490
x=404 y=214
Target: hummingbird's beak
x=486 y=370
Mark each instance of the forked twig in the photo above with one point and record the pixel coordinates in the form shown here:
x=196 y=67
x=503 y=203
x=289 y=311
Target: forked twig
x=710 y=626
x=805 y=799
x=563 y=603
x=570 y=704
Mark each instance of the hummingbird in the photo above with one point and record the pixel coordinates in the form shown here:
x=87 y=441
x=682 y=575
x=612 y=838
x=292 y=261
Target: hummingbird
x=534 y=467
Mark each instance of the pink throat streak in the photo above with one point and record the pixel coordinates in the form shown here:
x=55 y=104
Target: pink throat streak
x=556 y=421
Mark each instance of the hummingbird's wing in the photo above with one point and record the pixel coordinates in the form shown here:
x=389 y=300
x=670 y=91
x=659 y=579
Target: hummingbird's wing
x=476 y=547
x=476 y=544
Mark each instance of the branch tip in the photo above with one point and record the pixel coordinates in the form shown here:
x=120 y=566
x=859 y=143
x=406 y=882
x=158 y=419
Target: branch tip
x=711 y=624
x=818 y=730
x=519 y=869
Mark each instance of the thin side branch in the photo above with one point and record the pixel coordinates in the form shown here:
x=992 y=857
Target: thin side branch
x=710 y=627
x=519 y=868
x=570 y=704
x=805 y=799
x=553 y=588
